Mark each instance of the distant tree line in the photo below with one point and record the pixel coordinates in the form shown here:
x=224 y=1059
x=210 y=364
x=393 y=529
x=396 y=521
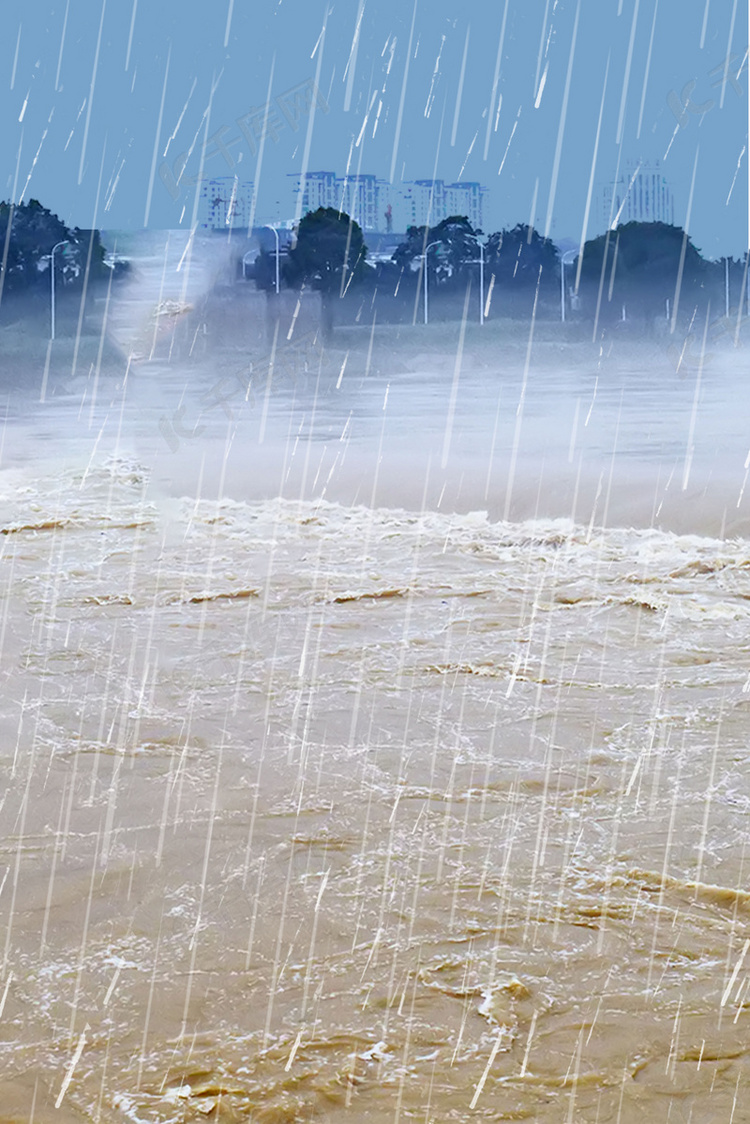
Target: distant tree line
x=638 y=272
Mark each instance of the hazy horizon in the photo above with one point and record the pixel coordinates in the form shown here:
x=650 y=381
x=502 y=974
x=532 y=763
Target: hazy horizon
x=102 y=97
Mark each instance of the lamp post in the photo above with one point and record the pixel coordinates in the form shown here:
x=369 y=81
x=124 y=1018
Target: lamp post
x=424 y=258
x=481 y=280
x=276 y=236
x=567 y=259
x=481 y=284
x=57 y=246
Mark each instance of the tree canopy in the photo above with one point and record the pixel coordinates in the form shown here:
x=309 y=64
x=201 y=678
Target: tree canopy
x=329 y=252
x=457 y=246
x=515 y=257
x=30 y=232
x=639 y=264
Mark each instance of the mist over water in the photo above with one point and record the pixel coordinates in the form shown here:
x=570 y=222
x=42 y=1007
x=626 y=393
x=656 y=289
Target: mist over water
x=375 y=720
x=510 y=419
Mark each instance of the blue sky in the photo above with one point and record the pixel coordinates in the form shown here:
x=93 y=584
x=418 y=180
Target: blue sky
x=509 y=94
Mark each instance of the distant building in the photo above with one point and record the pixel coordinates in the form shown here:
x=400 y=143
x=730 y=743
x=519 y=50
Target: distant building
x=225 y=202
x=319 y=190
x=641 y=194
x=364 y=197
x=418 y=203
x=466 y=199
x=428 y=202
x=381 y=207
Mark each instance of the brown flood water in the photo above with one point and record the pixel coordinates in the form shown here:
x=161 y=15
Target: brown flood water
x=316 y=809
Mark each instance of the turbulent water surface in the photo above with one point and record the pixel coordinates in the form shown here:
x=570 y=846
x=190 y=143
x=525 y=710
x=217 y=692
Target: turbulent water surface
x=374 y=746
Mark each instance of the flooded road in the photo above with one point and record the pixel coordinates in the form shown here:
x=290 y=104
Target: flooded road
x=375 y=730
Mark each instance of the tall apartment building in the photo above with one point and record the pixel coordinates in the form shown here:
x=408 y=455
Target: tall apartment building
x=364 y=197
x=417 y=203
x=379 y=206
x=225 y=202
x=466 y=199
x=319 y=190
x=428 y=202
x=641 y=194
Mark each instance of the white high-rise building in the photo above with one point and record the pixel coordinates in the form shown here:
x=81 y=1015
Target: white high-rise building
x=466 y=199
x=641 y=194
x=319 y=190
x=428 y=202
x=364 y=197
x=418 y=203
x=379 y=206
x=225 y=202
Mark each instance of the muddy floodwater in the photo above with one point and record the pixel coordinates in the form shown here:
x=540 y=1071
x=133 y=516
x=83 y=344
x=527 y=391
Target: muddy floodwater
x=375 y=735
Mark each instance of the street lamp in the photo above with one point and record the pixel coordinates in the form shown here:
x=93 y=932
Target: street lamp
x=481 y=281
x=567 y=259
x=276 y=236
x=424 y=259
x=57 y=246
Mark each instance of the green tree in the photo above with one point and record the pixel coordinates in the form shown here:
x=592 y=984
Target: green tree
x=457 y=246
x=30 y=232
x=515 y=257
x=329 y=254
x=639 y=265
x=407 y=253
